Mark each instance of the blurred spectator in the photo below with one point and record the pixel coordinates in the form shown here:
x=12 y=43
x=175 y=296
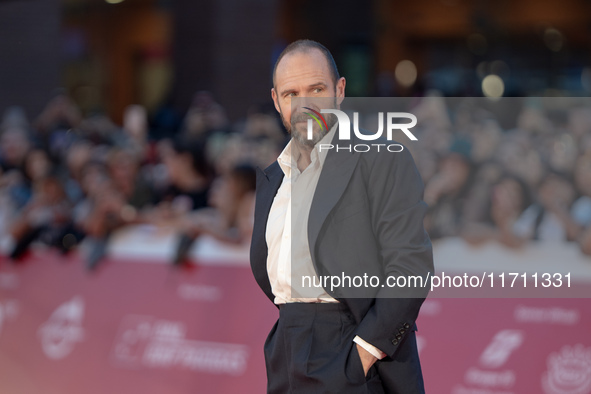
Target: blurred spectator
x=508 y=198
x=231 y=215
x=46 y=217
x=204 y=117
x=37 y=165
x=135 y=127
x=485 y=141
x=109 y=210
x=14 y=145
x=232 y=197
x=124 y=171
x=232 y=149
x=165 y=121
x=60 y=113
x=264 y=124
x=585 y=242
x=189 y=178
x=563 y=153
x=93 y=176
x=79 y=154
x=115 y=196
x=518 y=157
x=447 y=192
x=549 y=219
x=581 y=210
x=14 y=117
x=56 y=123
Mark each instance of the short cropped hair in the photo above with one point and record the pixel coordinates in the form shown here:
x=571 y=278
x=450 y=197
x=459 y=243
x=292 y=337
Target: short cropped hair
x=305 y=46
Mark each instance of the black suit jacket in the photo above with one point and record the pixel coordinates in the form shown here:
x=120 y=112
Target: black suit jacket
x=366 y=218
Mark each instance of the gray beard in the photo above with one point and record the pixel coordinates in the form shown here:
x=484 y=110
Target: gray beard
x=303 y=140
x=301 y=137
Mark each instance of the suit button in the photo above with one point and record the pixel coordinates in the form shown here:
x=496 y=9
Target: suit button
x=406 y=325
x=398 y=336
x=395 y=342
x=401 y=331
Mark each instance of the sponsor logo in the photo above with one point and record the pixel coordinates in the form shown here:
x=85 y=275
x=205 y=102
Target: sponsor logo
x=8 y=311
x=199 y=292
x=495 y=355
x=148 y=342
x=501 y=347
x=569 y=371
x=490 y=378
x=553 y=315
x=60 y=333
x=421 y=343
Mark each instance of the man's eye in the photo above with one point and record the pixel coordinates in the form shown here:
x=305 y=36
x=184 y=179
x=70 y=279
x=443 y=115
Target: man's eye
x=318 y=90
x=292 y=94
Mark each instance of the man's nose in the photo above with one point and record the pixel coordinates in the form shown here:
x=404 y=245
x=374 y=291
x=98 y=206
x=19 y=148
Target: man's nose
x=300 y=104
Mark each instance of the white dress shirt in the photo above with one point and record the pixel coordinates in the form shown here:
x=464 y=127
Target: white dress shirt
x=287 y=229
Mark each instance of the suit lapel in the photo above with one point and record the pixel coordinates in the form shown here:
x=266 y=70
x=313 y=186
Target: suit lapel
x=268 y=183
x=336 y=172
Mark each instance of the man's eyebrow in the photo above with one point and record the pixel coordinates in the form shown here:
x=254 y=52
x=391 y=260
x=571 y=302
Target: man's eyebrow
x=312 y=86
x=286 y=91
x=318 y=84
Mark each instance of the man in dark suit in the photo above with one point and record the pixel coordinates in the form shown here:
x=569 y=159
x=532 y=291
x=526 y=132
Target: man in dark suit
x=333 y=213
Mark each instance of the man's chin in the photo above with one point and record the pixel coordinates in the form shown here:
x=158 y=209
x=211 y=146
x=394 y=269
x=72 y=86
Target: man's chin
x=303 y=141
x=301 y=135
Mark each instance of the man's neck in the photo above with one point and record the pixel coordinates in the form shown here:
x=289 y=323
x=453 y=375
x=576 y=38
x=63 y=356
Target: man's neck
x=305 y=157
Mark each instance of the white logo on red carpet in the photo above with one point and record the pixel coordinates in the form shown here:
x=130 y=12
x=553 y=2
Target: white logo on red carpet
x=546 y=315
x=421 y=343
x=144 y=341
x=501 y=347
x=488 y=378
x=569 y=371
x=60 y=333
x=8 y=311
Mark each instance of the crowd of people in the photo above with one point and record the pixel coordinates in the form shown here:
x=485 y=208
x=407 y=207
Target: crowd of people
x=488 y=178
x=67 y=179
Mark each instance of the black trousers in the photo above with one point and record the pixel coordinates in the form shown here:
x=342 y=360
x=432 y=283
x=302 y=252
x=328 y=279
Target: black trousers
x=311 y=350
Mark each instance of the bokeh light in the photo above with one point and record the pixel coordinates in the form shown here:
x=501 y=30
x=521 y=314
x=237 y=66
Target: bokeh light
x=406 y=73
x=493 y=86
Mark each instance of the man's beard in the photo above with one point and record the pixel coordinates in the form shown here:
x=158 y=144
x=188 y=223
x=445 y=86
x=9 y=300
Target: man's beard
x=301 y=136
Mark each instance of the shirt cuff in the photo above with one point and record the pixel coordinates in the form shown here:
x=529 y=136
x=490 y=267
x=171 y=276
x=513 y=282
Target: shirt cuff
x=377 y=353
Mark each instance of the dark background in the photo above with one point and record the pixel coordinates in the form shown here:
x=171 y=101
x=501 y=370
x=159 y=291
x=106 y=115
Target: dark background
x=155 y=52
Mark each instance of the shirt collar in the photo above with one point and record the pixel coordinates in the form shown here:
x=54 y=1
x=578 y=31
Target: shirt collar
x=288 y=158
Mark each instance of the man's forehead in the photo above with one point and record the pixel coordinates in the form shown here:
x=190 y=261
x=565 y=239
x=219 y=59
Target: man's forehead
x=302 y=63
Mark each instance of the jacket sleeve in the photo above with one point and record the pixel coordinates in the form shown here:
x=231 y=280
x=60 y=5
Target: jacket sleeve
x=395 y=191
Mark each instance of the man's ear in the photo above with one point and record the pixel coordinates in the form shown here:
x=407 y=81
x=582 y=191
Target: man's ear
x=340 y=91
x=274 y=96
